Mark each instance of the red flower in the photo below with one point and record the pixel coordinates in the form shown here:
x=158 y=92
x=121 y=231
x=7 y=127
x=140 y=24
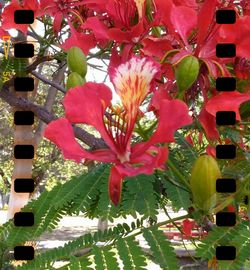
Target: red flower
x=231 y=208
x=122 y=11
x=60 y=9
x=125 y=26
x=8 y=14
x=187 y=227
x=91 y=104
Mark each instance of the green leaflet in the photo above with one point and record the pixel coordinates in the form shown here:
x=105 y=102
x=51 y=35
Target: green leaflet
x=131 y=254
x=179 y=198
x=245 y=110
x=140 y=196
x=105 y=259
x=76 y=264
x=186 y=73
x=161 y=249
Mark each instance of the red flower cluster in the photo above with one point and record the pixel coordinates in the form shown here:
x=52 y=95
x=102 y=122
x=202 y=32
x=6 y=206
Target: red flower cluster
x=161 y=33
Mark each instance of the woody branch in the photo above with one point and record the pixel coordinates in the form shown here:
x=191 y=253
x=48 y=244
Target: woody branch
x=47 y=117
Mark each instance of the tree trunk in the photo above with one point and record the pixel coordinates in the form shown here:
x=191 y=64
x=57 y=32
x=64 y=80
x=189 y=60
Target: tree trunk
x=24 y=135
x=102 y=225
x=22 y=167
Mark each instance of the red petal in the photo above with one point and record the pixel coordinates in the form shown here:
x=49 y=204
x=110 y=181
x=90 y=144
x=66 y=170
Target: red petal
x=153 y=46
x=209 y=124
x=8 y=18
x=115 y=185
x=164 y=9
x=132 y=35
x=173 y=114
x=3 y=33
x=32 y=4
x=61 y=133
x=84 y=41
x=57 y=22
x=187 y=3
x=8 y=14
x=243 y=48
x=227 y=102
x=237 y=33
x=86 y=104
x=205 y=18
x=99 y=29
x=103 y=155
x=210 y=150
x=184 y=19
x=159 y=95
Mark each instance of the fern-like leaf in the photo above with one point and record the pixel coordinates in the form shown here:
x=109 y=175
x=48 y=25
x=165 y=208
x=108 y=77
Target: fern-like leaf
x=48 y=212
x=42 y=260
x=161 y=248
x=178 y=196
x=104 y=259
x=242 y=244
x=140 y=196
x=218 y=236
x=131 y=254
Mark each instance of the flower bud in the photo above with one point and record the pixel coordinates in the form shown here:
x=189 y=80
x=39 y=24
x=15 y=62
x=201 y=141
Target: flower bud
x=76 y=61
x=74 y=80
x=186 y=73
x=203 y=178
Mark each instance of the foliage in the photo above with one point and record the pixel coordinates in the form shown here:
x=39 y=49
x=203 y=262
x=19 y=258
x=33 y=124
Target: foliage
x=237 y=236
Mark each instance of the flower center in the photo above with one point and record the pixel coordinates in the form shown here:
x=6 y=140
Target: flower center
x=125 y=157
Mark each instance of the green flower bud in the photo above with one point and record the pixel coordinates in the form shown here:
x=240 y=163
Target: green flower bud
x=76 y=61
x=74 y=80
x=203 y=178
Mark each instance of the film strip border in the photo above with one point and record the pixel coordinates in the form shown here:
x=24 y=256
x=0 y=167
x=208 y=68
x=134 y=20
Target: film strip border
x=225 y=151
x=26 y=185
x=23 y=152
